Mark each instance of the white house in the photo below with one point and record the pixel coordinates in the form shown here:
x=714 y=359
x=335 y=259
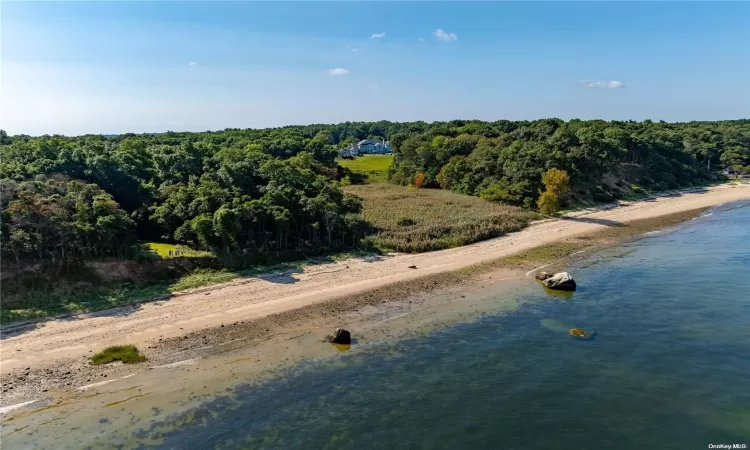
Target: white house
x=366 y=147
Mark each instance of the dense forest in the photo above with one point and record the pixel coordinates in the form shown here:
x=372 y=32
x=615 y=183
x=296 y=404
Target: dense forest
x=504 y=161
x=243 y=192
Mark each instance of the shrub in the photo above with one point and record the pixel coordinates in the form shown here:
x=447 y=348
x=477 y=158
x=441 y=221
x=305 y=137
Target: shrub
x=128 y=354
x=419 y=180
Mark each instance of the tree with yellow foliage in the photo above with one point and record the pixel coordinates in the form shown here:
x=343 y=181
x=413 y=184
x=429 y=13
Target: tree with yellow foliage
x=557 y=185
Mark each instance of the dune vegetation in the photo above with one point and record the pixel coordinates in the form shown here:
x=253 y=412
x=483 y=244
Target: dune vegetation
x=418 y=220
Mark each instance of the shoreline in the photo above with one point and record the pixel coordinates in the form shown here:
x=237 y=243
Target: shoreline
x=67 y=369
x=284 y=269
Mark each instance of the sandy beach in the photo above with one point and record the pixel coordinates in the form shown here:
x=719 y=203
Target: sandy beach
x=167 y=330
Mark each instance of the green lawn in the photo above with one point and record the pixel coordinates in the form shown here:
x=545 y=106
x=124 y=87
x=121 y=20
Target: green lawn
x=162 y=249
x=374 y=168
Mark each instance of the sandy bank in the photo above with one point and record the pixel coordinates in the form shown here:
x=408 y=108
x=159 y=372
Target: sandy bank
x=246 y=309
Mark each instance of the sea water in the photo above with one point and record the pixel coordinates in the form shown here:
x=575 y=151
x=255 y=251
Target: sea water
x=668 y=366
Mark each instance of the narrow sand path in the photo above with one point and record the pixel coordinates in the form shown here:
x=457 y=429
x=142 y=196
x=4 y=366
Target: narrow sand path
x=250 y=298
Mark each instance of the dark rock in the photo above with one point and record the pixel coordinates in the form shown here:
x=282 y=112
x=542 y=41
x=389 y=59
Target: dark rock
x=561 y=282
x=412 y=267
x=541 y=276
x=340 y=336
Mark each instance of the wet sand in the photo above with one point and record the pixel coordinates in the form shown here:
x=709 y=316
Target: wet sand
x=100 y=412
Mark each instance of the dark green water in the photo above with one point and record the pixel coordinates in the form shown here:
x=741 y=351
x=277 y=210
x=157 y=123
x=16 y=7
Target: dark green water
x=669 y=366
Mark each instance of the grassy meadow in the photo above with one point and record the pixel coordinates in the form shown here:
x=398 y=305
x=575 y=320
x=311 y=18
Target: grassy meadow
x=373 y=168
x=165 y=250
x=420 y=220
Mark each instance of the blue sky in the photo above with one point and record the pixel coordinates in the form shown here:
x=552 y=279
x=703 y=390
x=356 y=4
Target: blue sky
x=114 y=67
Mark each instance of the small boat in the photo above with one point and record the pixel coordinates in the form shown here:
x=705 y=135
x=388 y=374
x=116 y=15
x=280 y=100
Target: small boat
x=580 y=333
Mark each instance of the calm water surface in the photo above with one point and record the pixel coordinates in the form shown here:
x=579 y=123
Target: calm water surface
x=669 y=366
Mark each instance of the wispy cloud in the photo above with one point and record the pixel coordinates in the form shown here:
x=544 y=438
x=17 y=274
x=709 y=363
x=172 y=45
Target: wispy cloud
x=378 y=35
x=337 y=71
x=444 y=36
x=603 y=84
x=352 y=48
x=421 y=39
x=192 y=64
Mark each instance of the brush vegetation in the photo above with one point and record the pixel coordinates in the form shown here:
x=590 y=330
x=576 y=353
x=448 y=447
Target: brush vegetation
x=128 y=354
x=81 y=288
x=419 y=220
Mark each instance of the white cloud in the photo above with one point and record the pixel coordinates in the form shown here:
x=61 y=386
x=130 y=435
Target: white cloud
x=350 y=47
x=337 y=71
x=603 y=84
x=443 y=36
x=378 y=35
x=421 y=39
x=192 y=64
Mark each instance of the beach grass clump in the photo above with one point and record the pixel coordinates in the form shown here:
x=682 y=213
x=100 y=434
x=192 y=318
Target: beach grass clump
x=420 y=220
x=202 y=277
x=128 y=354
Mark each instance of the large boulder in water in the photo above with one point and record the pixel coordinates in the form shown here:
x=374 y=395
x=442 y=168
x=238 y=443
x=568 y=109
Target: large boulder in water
x=560 y=281
x=340 y=336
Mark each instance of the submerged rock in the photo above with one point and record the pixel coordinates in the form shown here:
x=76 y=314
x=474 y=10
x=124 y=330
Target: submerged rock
x=342 y=347
x=340 y=336
x=580 y=333
x=560 y=281
x=541 y=276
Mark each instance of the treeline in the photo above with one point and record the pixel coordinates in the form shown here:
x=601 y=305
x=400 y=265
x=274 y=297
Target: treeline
x=237 y=193
x=504 y=161
x=241 y=193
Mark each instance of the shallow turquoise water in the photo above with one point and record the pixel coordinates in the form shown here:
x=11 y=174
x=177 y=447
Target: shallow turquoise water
x=669 y=366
